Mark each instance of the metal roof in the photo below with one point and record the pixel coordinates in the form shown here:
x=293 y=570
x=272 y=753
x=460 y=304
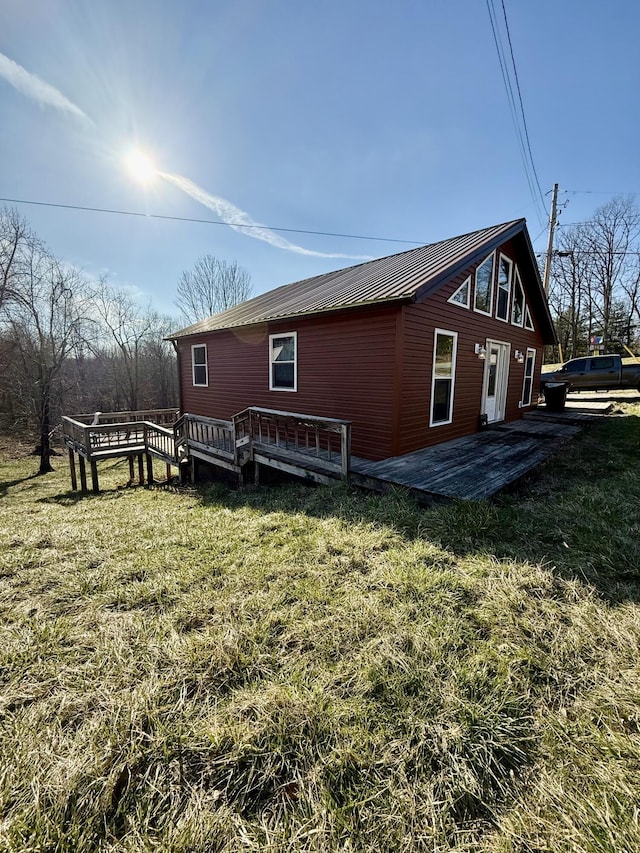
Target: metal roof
x=392 y=278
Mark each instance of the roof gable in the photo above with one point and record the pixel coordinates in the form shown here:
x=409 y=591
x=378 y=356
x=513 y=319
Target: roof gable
x=407 y=276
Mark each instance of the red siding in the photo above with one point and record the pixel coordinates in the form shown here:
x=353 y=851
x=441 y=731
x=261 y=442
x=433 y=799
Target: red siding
x=345 y=370
x=420 y=322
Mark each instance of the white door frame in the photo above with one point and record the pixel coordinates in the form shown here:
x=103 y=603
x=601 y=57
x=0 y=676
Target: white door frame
x=499 y=355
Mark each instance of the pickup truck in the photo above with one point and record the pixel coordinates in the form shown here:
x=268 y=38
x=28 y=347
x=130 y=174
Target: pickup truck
x=594 y=373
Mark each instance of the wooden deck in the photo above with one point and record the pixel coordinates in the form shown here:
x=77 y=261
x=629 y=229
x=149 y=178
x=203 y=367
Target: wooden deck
x=318 y=449
x=471 y=468
x=307 y=446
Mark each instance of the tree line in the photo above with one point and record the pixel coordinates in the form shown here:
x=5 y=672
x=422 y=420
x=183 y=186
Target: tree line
x=594 y=288
x=71 y=345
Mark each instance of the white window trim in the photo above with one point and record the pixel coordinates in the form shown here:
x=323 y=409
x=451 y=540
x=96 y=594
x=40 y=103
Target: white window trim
x=527 y=316
x=509 y=291
x=488 y=313
x=518 y=280
x=524 y=403
x=293 y=335
x=453 y=301
x=453 y=335
x=204 y=384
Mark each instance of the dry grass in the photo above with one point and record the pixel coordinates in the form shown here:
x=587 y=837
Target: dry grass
x=297 y=669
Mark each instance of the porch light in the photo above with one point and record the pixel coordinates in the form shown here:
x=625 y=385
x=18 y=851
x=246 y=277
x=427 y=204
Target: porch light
x=480 y=351
x=519 y=356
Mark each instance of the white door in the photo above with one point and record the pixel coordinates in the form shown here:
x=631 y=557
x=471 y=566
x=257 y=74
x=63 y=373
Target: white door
x=496 y=377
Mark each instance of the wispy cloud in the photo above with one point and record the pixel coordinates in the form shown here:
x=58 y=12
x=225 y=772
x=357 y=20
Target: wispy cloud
x=33 y=87
x=241 y=221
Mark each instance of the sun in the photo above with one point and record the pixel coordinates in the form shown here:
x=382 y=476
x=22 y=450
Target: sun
x=140 y=166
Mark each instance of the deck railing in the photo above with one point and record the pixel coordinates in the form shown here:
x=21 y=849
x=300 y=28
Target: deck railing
x=160 y=417
x=324 y=443
x=209 y=435
x=121 y=432
x=288 y=440
x=161 y=441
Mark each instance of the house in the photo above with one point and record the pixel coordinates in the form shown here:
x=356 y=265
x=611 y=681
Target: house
x=413 y=349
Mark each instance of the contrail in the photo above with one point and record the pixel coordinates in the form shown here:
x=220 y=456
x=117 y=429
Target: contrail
x=239 y=219
x=34 y=87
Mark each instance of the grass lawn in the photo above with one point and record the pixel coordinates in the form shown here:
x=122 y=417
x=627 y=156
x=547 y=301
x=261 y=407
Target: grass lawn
x=320 y=669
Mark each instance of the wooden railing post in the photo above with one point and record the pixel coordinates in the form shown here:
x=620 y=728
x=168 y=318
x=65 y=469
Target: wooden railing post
x=86 y=440
x=72 y=468
x=345 y=448
x=83 y=473
x=94 y=476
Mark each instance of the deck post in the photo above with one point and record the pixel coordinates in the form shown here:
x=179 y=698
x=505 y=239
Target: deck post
x=256 y=473
x=168 y=471
x=140 y=470
x=83 y=473
x=72 y=469
x=149 y=469
x=345 y=449
x=194 y=471
x=94 y=476
x=131 y=471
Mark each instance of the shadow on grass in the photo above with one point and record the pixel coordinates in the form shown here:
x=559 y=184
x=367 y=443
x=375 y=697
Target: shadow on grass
x=68 y=498
x=577 y=513
x=5 y=485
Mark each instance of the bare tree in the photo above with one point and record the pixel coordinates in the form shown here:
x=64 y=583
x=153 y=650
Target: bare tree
x=160 y=364
x=46 y=315
x=15 y=238
x=569 y=292
x=210 y=287
x=595 y=283
x=610 y=238
x=130 y=344
x=124 y=328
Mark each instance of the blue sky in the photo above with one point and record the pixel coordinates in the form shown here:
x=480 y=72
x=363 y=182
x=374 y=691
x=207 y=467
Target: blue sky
x=349 y=116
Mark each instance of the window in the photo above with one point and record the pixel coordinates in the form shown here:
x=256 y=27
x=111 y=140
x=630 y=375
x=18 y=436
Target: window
x=527 y=385
x=578 y=365
x=462 y=295
x=517 y=309
x=528 y=322
x=283 y=362
x=605 y=363
x=505 y=268
x=199 y=367
x=484 y=286
x=444 y=369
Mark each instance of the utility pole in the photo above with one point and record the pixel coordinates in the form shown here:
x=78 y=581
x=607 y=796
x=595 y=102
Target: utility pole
x=552 y=225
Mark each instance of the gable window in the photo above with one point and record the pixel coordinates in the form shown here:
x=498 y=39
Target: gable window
x=505 y=268
x=528 y=322
x=283 y=362
x=462 y=296
x=483 y=301
x=442 y=382
x=527 y=385
x=517 y=309
x=200 y=371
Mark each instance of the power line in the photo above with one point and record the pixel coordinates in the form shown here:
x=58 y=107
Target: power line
x=524 y=120
x=525 y=149
x=208 y=221
x=593 y=252
x=601 y=192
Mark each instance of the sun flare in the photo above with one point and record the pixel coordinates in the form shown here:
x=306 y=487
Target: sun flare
x=140 y=166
